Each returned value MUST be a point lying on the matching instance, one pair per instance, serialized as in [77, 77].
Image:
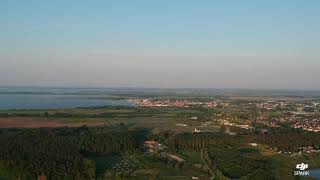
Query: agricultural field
[161, 119]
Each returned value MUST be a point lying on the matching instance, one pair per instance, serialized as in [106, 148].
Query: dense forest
[289, 140]
[58, 153]
[200, 141]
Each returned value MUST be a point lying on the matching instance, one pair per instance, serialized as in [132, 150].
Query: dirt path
[206, 161]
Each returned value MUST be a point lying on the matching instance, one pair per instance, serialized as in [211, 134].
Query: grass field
[162, 119]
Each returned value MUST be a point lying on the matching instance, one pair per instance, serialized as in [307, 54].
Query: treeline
[241, 163]
[199, 141]
[289, 140]
[117, 111]
[60, 153]
[115, 141]
[284, 139]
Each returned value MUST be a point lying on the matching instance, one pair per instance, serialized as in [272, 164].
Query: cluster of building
[297, 112]
[303, 150]
[155, 148]
[308, 125]
[227, 123]
[270, 105]
[295, 107]
[175, 103]
[309, 150]
[201, 130]
[160, 103]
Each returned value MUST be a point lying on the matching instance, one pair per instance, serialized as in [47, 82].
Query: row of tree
[282, 139]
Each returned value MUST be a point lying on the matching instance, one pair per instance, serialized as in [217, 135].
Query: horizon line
[146, 87]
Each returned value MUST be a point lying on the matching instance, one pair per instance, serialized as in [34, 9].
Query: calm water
[315, 173]
[49, 101]
[65, 97]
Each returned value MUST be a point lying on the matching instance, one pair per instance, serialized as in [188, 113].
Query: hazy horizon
[195, 44]
[30, 88]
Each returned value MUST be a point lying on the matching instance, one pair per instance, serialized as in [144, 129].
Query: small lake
[49, 101]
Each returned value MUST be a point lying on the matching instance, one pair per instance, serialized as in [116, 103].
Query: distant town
[300, 115]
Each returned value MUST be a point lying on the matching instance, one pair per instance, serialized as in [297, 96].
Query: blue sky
[218, 44]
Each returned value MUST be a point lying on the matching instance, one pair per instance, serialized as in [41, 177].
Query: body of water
[49, 101]
[315, 173]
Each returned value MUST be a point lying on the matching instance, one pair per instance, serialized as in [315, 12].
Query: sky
[271, 44]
